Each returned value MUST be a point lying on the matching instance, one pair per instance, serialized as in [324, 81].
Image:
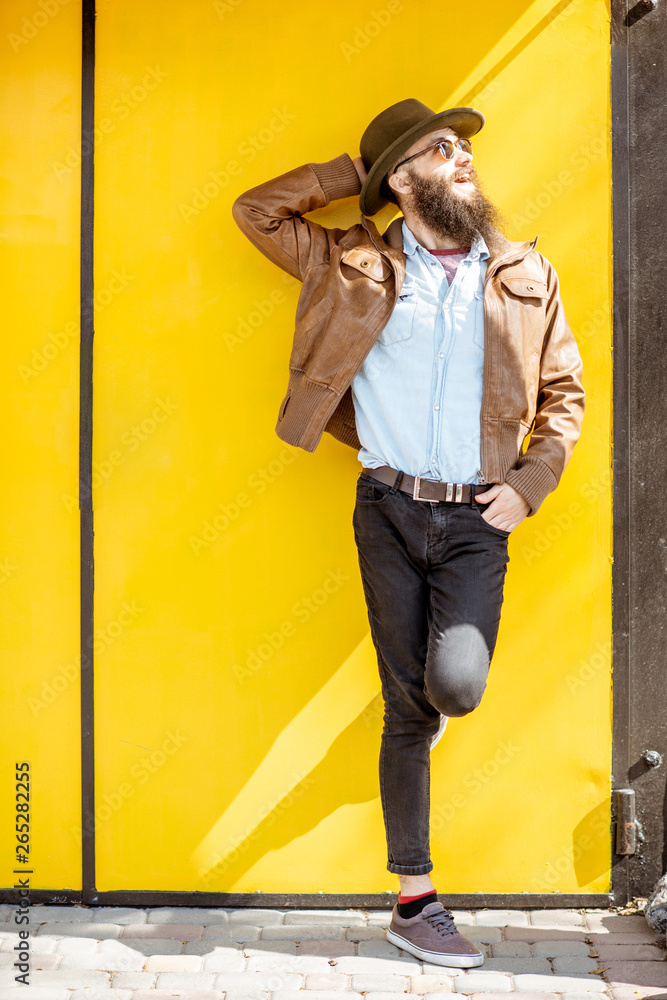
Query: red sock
[410, 899]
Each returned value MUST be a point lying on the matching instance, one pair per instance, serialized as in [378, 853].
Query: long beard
[438, 206]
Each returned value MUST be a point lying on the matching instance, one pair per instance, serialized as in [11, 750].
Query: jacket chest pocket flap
[372, 265]
[525, 287]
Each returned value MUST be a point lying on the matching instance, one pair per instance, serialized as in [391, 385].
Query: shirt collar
[478, 249]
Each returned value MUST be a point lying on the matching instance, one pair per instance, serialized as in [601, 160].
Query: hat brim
[465, 121]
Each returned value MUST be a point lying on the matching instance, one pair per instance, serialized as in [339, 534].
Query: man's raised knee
[454, 704]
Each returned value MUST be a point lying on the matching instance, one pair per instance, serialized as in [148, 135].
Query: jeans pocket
[491, 527]
[370, 490]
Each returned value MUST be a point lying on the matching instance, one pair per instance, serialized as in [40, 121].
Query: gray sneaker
[433, 937]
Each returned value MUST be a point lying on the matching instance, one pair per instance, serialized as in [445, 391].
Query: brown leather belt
[427, 489]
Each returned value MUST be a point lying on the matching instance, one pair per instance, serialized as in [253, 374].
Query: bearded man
[434, 349]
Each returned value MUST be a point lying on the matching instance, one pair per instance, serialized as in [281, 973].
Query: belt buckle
[415, 492]
[449, 492]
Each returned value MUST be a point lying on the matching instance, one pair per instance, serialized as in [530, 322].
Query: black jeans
[433, 576]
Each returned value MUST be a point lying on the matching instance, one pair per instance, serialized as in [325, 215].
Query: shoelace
[443, 921]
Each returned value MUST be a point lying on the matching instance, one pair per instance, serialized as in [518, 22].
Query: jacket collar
[393, 234]
[503, 250]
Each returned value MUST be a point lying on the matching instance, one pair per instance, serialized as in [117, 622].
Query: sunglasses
[445, 147]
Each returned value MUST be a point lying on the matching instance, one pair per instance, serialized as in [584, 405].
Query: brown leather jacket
[351, 280]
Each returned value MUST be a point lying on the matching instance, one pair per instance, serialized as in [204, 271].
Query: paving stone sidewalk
[220, 954]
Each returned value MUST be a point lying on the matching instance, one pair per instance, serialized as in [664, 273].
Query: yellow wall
[222, 535]
[237, 700]
[40, 71]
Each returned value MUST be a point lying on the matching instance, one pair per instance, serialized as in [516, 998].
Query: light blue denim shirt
[418, 395]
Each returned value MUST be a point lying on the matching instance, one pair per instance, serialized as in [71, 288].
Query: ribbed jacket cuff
[533, 479]
[338, 178]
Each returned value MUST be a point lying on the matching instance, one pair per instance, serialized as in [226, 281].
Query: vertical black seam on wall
[86, 452]
[621, 658]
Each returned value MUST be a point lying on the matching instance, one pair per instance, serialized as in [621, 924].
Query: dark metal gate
[639, 110]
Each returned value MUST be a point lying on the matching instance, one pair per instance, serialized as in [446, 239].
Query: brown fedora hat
[393, 131]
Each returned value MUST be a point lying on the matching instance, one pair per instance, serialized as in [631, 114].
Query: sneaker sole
[436, 957]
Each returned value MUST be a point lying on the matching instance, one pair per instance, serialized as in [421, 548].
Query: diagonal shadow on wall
[320, 792]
